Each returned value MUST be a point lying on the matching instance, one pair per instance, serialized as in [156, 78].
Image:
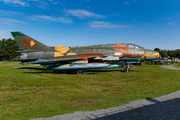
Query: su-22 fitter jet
[81, 58]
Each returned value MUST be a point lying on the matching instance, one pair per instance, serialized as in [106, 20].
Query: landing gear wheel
[127, 68]
[81, 72]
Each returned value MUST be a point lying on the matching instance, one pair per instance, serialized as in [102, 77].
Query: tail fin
[27, 43]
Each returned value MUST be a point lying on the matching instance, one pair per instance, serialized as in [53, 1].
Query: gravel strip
[169, 67]
[166, 107]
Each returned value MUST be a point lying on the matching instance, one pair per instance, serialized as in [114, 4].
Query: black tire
[81, 72]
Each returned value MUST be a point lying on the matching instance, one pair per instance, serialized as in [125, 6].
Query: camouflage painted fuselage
[95, 56]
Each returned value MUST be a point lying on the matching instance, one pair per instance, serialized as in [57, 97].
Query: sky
[147, 23]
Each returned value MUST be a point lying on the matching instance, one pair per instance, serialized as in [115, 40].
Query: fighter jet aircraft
[161, 61]
[81, 58]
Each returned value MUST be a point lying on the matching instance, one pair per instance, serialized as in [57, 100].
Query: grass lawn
[176, 65]
[33, 93]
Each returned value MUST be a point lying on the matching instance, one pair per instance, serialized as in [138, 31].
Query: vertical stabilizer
[27, 43]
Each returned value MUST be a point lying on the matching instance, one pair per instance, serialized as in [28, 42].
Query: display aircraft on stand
[81, 58]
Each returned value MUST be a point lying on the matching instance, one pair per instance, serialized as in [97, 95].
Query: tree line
[170, 53]
[8, 48]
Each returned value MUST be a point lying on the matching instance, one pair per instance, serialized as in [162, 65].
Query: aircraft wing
[28, 59]
[43, 61]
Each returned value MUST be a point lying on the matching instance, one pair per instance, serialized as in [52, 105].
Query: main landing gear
[127, 67]
[81, 72]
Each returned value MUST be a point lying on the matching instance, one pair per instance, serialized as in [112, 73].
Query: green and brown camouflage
[80, 58]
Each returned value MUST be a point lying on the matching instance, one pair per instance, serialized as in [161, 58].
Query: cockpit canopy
[131, 45]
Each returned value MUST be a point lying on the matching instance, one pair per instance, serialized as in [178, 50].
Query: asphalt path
[170, 67]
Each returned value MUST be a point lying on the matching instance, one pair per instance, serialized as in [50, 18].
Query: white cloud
[98, 25]
[136, 0]
[126, 2]
[54, 2]
[42, 6]
[130, 1]
[60, 19]
[42, 17]
[49, 18]
[26, 3]
[116, 14]
[10, 12]
[171, 23]
[155, 35]
[32, 17]
[16, 2]
[83, 14]
[33, 0]
[9, 20]
[5, 34]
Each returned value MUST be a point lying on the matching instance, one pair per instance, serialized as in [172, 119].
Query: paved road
[169, 67]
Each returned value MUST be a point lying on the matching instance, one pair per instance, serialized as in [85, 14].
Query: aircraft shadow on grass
[166, 110]
[70, 72]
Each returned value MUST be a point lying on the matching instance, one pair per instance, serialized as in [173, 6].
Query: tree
[178, 53]
[163, 53]
[157, 49]
[8, 48]
[171, 53]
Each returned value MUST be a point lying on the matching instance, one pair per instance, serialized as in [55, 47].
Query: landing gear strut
[127, 68]
[81, 72]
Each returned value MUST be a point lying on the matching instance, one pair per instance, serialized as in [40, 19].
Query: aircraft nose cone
[152, 54]
[157, 55]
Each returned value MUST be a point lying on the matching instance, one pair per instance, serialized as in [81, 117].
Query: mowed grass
[176, 65]
[39, 92]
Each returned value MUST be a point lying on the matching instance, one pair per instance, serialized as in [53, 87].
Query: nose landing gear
[127, 67]
[81, 72]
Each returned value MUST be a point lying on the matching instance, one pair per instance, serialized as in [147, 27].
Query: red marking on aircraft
[30, 43]
[122, 48]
